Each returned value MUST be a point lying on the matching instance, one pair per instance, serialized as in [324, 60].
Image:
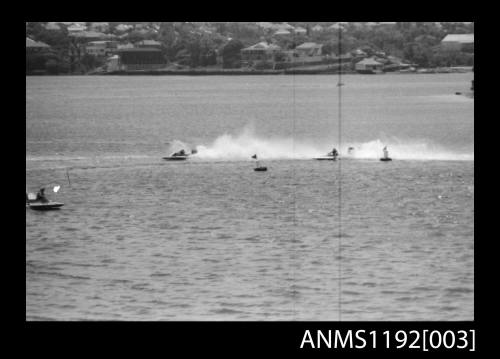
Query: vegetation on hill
[204, 44]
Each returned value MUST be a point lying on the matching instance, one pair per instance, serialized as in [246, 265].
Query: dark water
[210, 239]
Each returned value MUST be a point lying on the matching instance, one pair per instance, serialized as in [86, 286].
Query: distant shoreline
[249, 72]
[243, 73]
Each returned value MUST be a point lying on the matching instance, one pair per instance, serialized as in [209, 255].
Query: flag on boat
[254, 156]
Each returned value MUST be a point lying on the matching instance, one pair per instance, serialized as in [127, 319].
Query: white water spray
[229, 147]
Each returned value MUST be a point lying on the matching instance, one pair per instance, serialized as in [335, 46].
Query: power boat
[181, 155]
[330, 156]
[258, 167]
[386, 157]
[41, 205]
[175, 157]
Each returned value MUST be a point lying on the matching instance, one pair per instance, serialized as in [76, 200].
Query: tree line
[192, 45]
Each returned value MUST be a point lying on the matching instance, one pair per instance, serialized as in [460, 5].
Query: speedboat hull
[37, 206]
[175, 158]
[326, 158]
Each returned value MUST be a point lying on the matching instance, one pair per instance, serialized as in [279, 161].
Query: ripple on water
[221, 250]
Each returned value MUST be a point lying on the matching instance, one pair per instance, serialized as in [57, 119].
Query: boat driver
[40, 196]
[386, 153]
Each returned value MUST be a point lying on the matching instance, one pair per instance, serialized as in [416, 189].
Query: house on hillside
[33, 46]
[385, 24]
[458, 42]
[149, 44]
[336, 26]
[101, 48]
[76, 28]
[359, 53]
[126, 45]
[305, 54]
[368, 66]
[99, 26]
[261, 52]
[283, 26]
[283, 34]
[90, 36]
[265, 25]
[317, 28]
[52, 26]
[308, 49]
[300, 31]
[123, 28]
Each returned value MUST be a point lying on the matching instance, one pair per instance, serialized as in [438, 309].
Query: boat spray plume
[230, 147]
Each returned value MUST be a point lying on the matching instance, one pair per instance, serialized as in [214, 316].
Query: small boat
[40, 206]
[330, 156]
[179, 156]
[176, 158]
[40, 202]
[259, 168]
[386, 155]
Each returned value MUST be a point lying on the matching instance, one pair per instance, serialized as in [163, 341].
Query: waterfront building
[100, 48]
[149, 44]
[309, 49]
[368, 66]
[140, 59]
[260, 52]
[126, 45]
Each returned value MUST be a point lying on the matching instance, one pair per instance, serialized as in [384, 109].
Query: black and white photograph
[249, 171]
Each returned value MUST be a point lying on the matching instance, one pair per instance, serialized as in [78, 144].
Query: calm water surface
[210, 239]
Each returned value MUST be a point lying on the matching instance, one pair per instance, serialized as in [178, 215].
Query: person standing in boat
[40, 196]
[386, 153]
[334, 152]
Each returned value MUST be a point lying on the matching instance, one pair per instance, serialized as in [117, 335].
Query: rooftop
[282, 32]
[262, 46]
[369, 61]
[308, 45]
[139, 49]
[149, 42]
[33, 43]
[462, 38]
[91, 35]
